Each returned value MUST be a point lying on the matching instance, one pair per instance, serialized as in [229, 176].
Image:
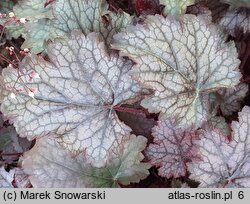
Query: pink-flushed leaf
[51, 166]
[183, 62]
[225, 163]
[173, 148]
[230, 100]
[6, 178]
[212, 8]
[236, 19]
[74, 95]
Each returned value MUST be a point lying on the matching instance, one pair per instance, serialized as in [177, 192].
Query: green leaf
[37, 34]
[84, 15]
[123, 166]
[30, 10]
[176, 7]
[77, 92]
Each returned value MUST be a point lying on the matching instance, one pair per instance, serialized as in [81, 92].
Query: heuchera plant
[131, 93]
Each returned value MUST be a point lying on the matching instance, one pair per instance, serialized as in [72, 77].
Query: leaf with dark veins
[32, 11]
[238, 3]
[87, 16]
[172, 149]
[224, 163]
[183, 62]
[68, 15]
[51, 166]
[6, 6]
[75, 96]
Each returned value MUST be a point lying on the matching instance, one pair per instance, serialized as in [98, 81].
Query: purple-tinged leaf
[225, 163]
[173, 148]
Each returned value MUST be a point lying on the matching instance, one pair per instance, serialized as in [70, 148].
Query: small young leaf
[51, 166]
[74, 96]
[225, 163]
[87, 16]
[32, 10]
[173, 148]
[183, 62]
[176, 7]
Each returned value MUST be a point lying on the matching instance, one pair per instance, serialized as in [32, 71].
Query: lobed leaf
[225, 163]
[75, 96]
[32, 11]
[51, 166]
[172, 149]
[85, 15]
[176, 7]
[183, 62]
